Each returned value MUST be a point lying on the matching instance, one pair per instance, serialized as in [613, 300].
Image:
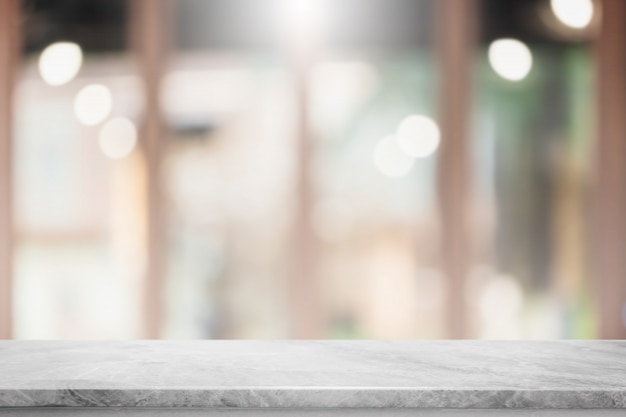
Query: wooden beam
[149, 35]
[307, 320]
[609, 232]
[456, 33]
[9, 58]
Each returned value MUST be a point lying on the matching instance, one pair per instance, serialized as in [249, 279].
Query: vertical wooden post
[456, 22]
[307, 312]
[307, 321]
[149, 33]
[610, 180]
[9, 57]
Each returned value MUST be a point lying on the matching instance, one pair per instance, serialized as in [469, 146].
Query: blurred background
[376, 169]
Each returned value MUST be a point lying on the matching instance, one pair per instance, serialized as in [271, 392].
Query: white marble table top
[286, 374]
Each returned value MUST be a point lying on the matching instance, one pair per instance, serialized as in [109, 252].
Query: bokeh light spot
[60, 62]
[93, 104]
[117, 137]
[390, 160]
[510, 59]
[418, 136]
[576, 14]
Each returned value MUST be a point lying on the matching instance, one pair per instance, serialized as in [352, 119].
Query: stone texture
[314, 374]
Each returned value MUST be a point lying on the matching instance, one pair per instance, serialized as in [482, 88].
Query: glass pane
[78, 208]
[532, 164]
[234, 170]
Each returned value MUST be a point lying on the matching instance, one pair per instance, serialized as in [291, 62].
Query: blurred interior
[371, 169]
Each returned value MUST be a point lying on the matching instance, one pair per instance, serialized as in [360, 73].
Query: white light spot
[117, 138]
[418, 136]
[302, 20]
[390, 160]
[93, 104]
[576, 14]
[510, 59]
[60, 62]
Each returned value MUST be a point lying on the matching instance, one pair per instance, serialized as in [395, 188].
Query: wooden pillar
[307, 322]
[609, 232]
[149, 34]
[9, 57]
[307, 314]
[456, 23]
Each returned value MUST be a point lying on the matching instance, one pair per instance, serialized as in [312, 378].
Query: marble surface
[314, 374]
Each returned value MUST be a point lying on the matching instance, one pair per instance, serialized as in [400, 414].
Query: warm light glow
[60, 62]
[418, 136]
[390, 160]
[576, 14]
[117, 138]
[302, 20]
[93, 104]
[510, 59]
